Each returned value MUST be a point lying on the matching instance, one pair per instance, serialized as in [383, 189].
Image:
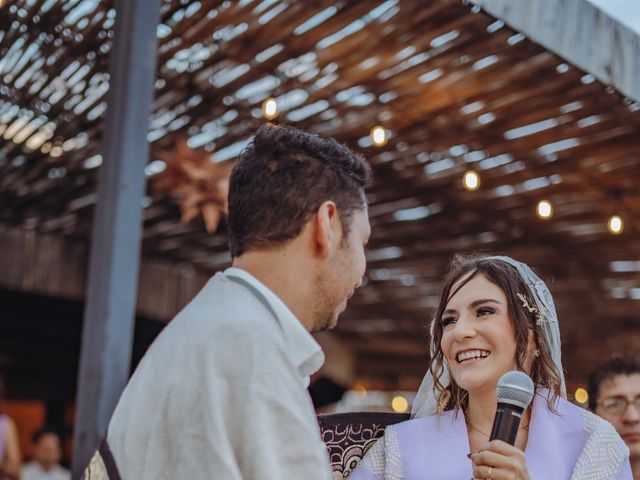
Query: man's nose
[631, 413]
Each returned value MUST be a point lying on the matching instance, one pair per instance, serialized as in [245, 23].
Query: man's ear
[328, 231]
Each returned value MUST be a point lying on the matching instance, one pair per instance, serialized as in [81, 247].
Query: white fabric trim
[604, 452]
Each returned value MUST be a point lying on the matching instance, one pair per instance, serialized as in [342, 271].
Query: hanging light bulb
[581, 395]
[270, 108]
[378, 136]
[615, 224]
[471, 180]
[399, 404]
[544, 209]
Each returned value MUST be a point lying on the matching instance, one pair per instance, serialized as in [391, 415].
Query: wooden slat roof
[457, 89]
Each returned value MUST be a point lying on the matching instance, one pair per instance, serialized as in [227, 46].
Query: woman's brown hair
[543, 370]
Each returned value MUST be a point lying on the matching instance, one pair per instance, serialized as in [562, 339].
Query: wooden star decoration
[195, 182]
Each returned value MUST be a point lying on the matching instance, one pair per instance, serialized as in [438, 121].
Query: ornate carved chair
[348, 436]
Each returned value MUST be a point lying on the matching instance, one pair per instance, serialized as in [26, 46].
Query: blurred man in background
[47, 451]
[614, 394]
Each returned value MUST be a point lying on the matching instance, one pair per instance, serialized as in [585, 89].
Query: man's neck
[275, 270]
[635, 468]
[46, 468]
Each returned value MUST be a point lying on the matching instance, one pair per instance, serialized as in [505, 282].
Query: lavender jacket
[572, 444]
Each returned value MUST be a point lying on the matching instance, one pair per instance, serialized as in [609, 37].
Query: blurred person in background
[9, 446]
[614, 394]
[46, 448]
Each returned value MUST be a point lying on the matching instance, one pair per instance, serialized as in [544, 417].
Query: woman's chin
[475, 384]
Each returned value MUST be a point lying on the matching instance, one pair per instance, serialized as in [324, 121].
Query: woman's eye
[447, 321]
[485, 311]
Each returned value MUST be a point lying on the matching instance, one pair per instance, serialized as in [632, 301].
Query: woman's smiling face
[478, 337]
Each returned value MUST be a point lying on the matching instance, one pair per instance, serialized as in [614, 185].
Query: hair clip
[532, 309]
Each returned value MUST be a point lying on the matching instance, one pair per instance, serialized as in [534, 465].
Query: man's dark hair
[282, 178]
[46, 430]
[617, 365]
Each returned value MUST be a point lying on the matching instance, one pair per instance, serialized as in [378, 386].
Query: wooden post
[107, 335]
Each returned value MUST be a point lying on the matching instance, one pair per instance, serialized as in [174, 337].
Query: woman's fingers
[502, 448]
[499, 460]
[483, 472]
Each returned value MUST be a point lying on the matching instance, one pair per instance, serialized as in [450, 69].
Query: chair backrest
[348, 436]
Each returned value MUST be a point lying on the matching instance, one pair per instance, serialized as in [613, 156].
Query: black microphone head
[515, 388]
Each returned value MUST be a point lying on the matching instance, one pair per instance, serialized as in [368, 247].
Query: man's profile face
[618, 402]
[342, 274]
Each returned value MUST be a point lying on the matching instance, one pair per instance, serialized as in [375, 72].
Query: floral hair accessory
[532, 309]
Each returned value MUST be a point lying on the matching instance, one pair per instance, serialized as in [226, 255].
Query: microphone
[514, 393]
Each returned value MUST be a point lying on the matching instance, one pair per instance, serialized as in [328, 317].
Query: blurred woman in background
[9, 446]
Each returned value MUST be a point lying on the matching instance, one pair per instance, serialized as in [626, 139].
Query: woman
[495, 315]
[9, 446]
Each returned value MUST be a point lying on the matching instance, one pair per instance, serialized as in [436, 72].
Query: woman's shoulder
[599, 432]
[430, 422]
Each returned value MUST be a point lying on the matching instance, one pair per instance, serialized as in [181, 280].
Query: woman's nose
[464, 328]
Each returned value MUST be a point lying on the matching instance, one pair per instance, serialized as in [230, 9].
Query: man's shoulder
[223, 301]
[61, 473]
[29, 467]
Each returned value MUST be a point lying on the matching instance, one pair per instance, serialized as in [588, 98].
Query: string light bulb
[399, 404]
[471, 180]
[581, 395]
[270, 108]
[360, 389]
[544, 209]
[615, 224]
[379, 136]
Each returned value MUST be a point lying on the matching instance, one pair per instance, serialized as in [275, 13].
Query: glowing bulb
[270, 108]
[399, 404]
[471, 180]
[378, 136]
[615, 224]
[544, 209]
[360, 389]
[581, 395]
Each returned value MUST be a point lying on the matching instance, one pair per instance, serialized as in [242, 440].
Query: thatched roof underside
[456, 88]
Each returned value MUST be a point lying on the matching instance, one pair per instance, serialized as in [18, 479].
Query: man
[47, 451]
[222, 391]
[614, 394]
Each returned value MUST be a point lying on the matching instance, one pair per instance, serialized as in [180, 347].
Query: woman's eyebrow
[480, 301]
[474, 304]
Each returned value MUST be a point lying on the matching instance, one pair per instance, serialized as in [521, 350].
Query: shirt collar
[305, 353]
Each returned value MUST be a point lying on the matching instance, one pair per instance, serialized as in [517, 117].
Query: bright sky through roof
[626, 12]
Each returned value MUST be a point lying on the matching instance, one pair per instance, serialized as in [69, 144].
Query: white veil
[426, 401]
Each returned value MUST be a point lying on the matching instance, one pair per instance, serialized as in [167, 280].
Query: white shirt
[221, 393]
[33, 471]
